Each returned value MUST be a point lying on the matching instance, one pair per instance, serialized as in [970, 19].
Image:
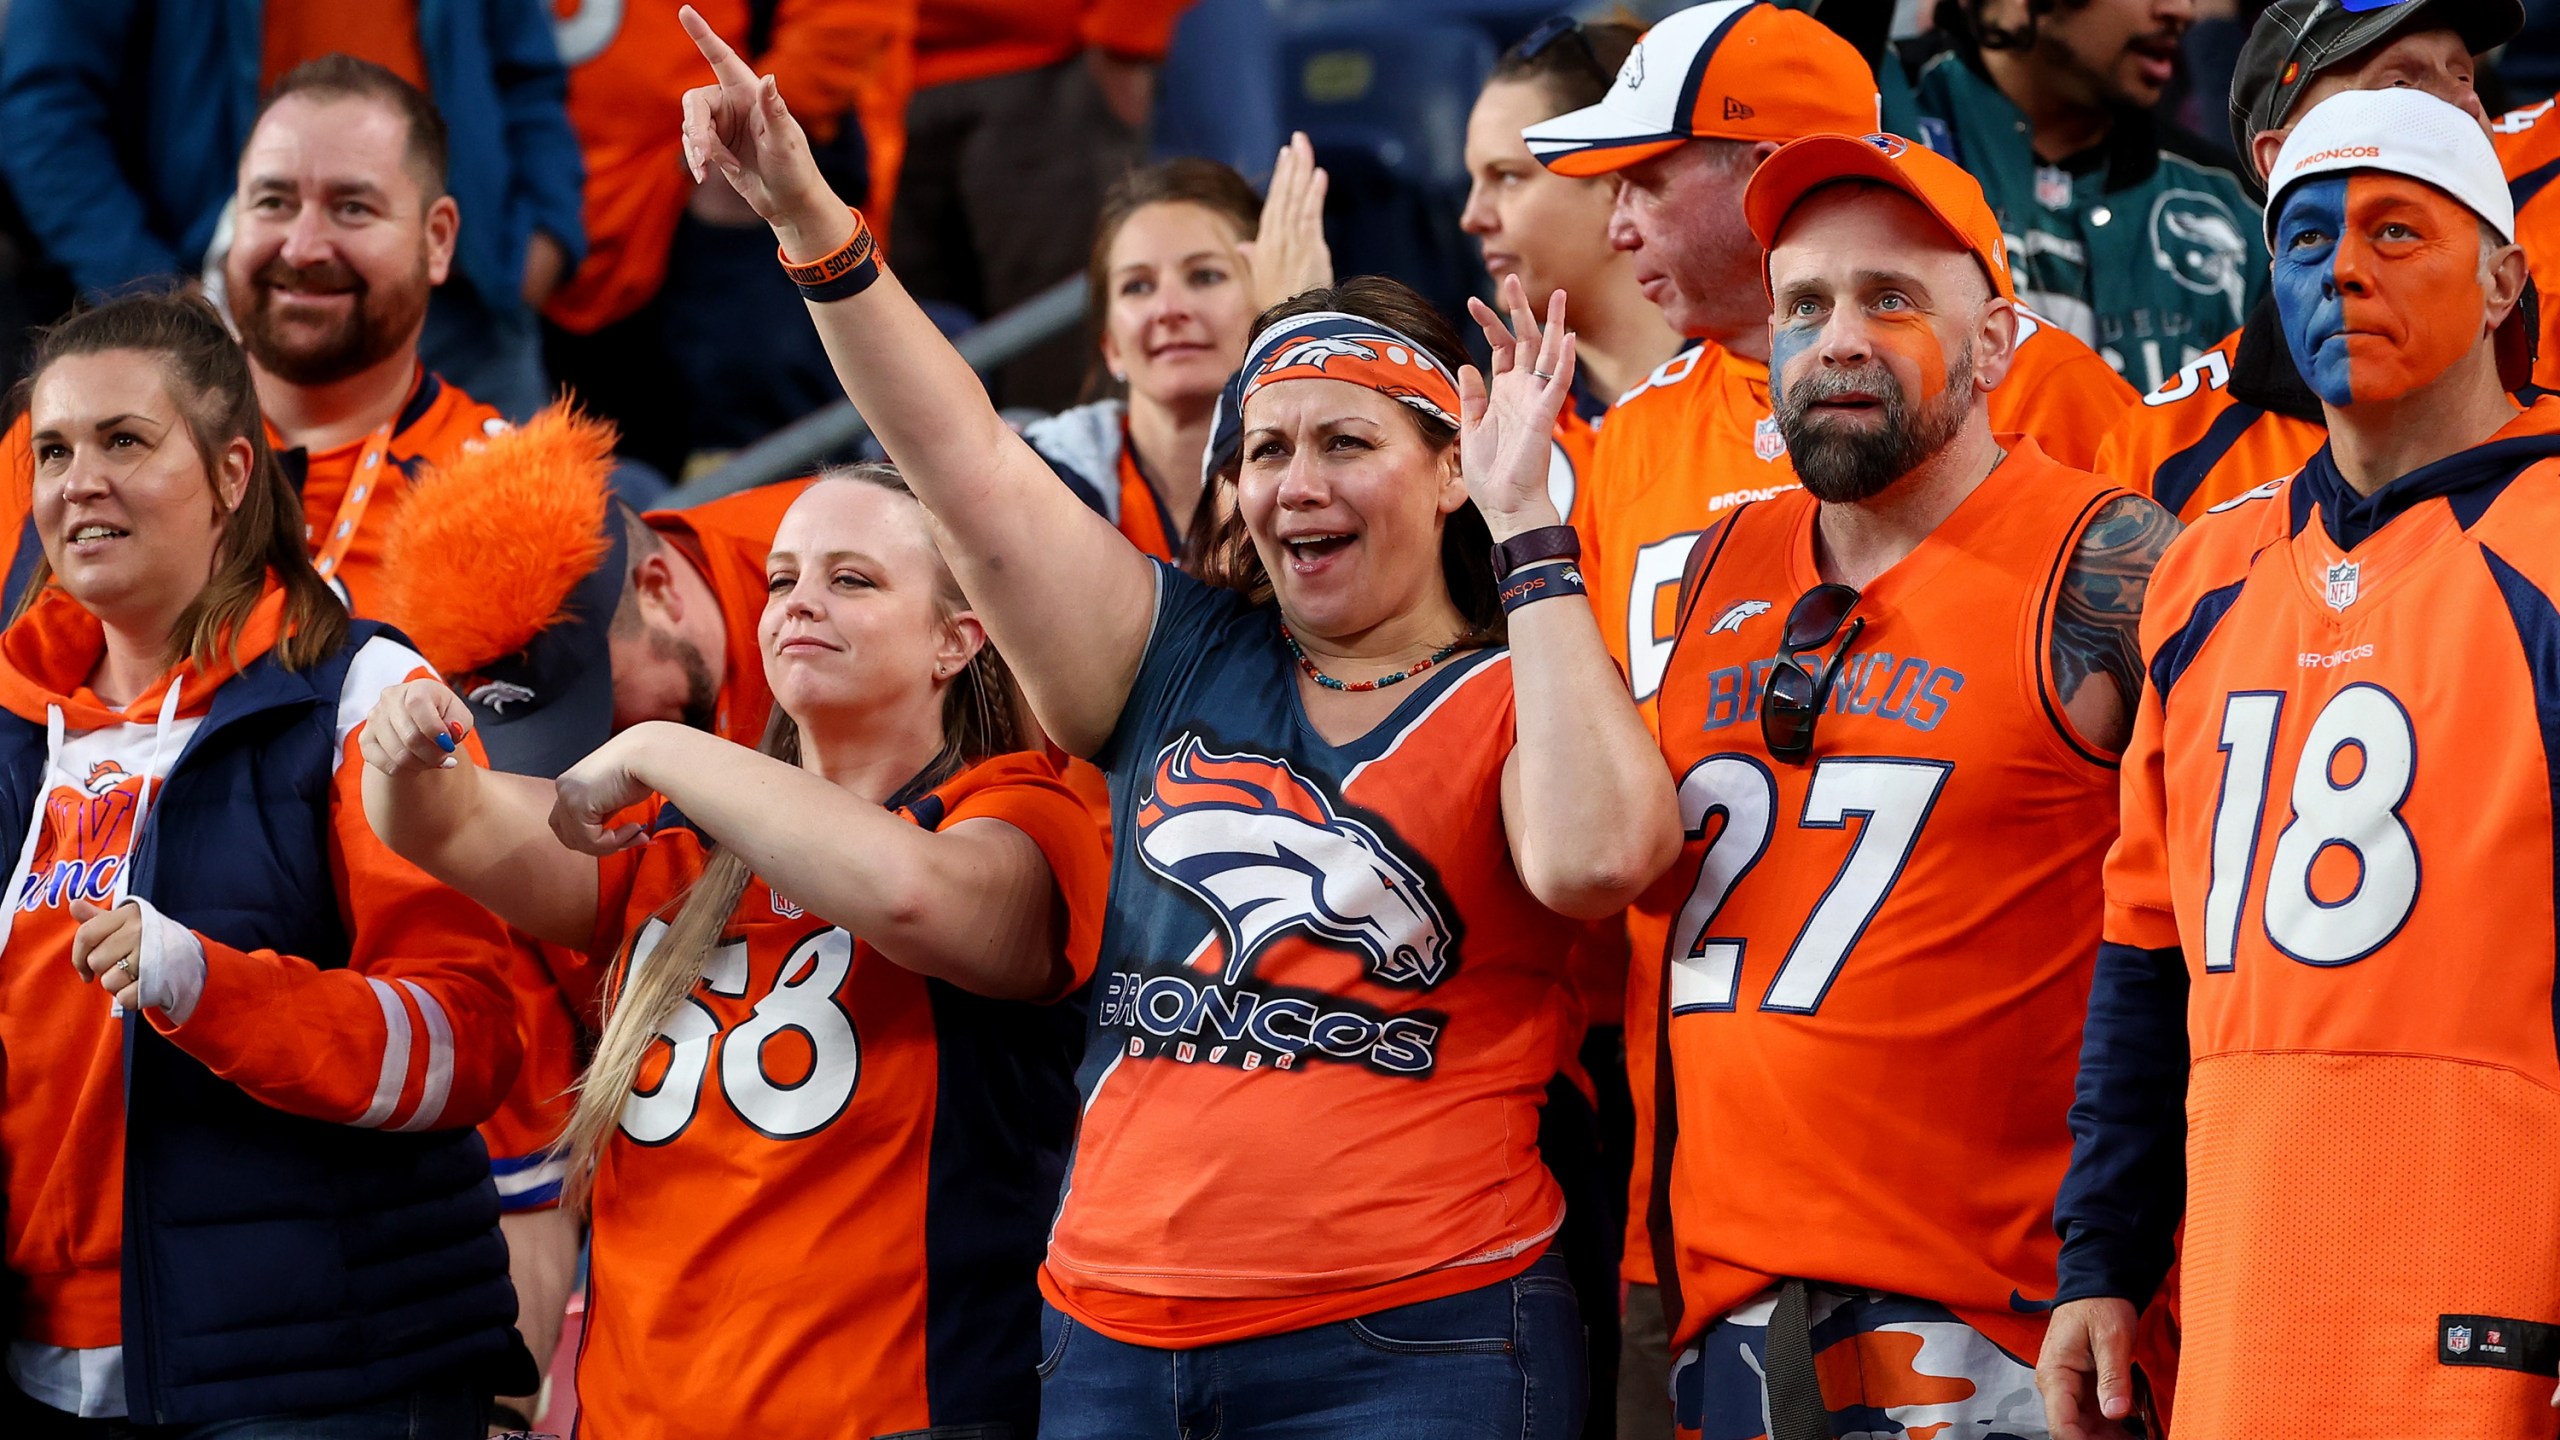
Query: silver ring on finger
[1541, 374]
[131, 975]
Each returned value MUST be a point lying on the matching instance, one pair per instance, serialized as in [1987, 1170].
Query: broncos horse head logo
[1315, 352]
[1264, 850]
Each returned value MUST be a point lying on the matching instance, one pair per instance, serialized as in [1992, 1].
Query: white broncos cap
[2401, 132]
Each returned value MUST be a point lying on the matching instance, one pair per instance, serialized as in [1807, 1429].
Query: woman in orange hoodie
[246, 1044]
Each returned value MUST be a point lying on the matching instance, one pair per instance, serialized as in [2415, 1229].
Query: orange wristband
[849, 269]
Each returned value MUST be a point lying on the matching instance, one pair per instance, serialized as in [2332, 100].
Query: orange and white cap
[1730, 70]
[1942, 187]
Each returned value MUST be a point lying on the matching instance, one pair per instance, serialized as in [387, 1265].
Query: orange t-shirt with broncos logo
[1326, 1011]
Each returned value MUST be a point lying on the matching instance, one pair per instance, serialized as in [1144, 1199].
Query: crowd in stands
[1813, 818]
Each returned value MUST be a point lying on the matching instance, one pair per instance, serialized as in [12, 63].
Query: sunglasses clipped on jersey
[1793, 698]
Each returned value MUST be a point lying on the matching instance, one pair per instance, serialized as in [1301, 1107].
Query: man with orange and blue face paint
[2322, 1028]
[2380, 279]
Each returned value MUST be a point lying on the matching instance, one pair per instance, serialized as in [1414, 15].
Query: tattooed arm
[2096, 658]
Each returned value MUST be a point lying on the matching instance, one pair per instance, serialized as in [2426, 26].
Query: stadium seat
[1385, 96]
[1221, 93]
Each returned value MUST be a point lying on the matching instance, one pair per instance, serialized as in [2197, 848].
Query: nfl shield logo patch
[2342, 583]
[2053, 187]
[1766, 442]
[2457, 1338]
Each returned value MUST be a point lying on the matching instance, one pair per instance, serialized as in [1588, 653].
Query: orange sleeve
[2113, 459]
[1040, 795]
[416, 1032]
[2064, 395]
[1133, 29]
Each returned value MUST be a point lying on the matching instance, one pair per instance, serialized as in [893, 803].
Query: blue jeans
[1501, 1362]
[442, 1413]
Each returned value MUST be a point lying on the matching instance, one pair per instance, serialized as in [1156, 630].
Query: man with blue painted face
[2322, 1030]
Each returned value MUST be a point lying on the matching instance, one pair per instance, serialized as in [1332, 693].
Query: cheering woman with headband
[1349, 823]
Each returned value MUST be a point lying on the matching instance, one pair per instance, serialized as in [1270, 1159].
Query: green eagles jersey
[2149, 256]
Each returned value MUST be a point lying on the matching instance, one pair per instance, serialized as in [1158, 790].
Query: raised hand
[1507, 425]
[415, 727]
[1288, 250]
[739, 126]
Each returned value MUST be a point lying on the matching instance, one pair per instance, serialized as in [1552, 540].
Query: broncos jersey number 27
[2354, 775]
[802, 1002]
[1891, 800]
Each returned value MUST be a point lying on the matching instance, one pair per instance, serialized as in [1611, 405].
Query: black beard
[1842, 462]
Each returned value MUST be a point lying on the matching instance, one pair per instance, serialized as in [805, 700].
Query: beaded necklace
[1382, 682]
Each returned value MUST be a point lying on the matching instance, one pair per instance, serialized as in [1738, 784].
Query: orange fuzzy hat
[488, 546]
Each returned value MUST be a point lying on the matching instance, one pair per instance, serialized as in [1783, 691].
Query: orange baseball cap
[1731, 70]
[1942, 187]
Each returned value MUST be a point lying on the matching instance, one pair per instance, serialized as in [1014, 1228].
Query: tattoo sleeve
[2097, 653]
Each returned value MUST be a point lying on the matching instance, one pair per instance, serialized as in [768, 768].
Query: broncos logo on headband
[1306, 347]
[1264, 850]
[1316, 352]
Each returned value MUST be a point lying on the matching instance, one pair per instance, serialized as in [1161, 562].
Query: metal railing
[831, 433]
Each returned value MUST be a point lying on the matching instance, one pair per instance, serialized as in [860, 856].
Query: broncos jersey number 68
[2348, 786]
[802, 1000]
[1892, 800]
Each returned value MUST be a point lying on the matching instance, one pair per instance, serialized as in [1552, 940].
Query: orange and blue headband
[1330, 345]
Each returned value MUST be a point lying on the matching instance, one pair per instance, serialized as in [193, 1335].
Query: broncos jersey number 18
[2339, 823]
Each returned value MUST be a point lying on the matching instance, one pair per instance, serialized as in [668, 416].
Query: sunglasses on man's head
[1792, 698]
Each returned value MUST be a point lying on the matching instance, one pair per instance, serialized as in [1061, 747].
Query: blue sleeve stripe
[2537, 624]
[529, 1182]
[2181, 475]
[2180, 650]
[2524, 187]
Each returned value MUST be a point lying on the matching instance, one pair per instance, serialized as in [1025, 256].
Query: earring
[1119, 376]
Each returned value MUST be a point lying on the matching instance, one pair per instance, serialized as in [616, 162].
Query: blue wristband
[1541, 582]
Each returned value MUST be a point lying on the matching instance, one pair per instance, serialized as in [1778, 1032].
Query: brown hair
[1184, 180]
[983, 714]
[1577, 66]
[1224, 554]
[209, 378]
[344, 77]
